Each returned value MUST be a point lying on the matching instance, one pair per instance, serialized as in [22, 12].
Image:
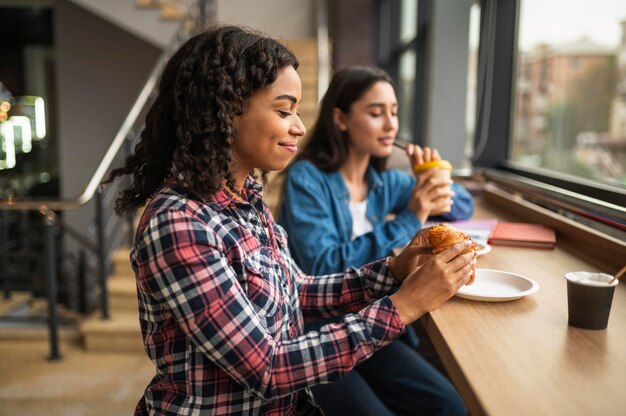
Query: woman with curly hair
[221, 302]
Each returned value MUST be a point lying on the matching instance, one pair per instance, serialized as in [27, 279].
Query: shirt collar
[373, 177]
[337, 182]
[252, 191]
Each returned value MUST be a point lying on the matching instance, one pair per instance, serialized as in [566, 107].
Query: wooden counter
[521, 357]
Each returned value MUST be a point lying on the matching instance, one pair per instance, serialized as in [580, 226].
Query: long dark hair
[189, 128]
[327, 146]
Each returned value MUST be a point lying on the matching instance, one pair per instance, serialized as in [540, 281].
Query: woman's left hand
[412, 256]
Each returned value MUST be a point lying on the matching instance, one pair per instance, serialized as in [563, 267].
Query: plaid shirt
[222, 304]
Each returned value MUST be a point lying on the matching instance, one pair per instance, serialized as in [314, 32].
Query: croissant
[444, 236]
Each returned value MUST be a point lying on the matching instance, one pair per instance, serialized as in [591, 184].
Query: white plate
[482, 249]
[498, 286]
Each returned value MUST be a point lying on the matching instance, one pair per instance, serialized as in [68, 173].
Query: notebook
[523, 235]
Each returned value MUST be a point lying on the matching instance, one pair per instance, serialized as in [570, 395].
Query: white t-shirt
[360, 223]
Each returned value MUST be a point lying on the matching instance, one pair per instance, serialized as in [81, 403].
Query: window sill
[598, 248]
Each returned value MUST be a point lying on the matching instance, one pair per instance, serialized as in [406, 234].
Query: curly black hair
[189, 127]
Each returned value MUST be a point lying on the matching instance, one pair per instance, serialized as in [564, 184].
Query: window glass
[570, 96]
[384, 30]
[406, 94]
[472, 75]
[408, 20]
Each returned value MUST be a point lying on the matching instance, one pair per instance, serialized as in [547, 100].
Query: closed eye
[283, 114]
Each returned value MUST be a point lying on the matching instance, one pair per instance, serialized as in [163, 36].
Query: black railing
[33, 232]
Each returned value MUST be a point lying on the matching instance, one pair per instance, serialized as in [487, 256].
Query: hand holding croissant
[427, 282]
[444, 236]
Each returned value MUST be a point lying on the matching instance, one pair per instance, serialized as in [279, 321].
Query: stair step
[120, 333]
[121, 262]
[173, 11]
[307, 47]
[148, 3]
[16, 300]
[122, 294]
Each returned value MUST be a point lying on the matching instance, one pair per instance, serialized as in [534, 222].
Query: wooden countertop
[521, 357]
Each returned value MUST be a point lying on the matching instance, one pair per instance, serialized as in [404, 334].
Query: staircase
[121, 332]
[154, 21]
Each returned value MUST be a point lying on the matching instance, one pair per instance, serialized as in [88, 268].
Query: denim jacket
[315, 212]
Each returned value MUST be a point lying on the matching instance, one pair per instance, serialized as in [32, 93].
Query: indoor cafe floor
[80, 384]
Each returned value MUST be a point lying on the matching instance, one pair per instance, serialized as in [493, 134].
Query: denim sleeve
[313, 227]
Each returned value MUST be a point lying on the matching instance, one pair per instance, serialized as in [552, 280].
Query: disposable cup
[589, 299]
[444, 172]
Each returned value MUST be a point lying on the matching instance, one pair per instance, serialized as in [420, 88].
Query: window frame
[496, 83]
[494, 115]
[388, 55]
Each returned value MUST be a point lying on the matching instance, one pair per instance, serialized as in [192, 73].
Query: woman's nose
[297, 128]
[391, 122]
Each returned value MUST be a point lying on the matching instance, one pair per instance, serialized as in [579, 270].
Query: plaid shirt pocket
[264, 283]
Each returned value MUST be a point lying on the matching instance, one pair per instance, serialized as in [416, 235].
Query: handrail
[204, 9]
[52, 216]
[107, 159]
[122, 134]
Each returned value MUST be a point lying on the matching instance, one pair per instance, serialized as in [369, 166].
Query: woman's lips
[387, 141]
[291, 147]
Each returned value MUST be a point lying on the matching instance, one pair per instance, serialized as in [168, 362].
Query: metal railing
[100, 238]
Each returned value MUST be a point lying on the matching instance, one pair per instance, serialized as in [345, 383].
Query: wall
[351, 32]
[448, 80]
[285, 19]
[100, 70]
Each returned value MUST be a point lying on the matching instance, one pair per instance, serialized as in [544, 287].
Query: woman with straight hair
[343, 208]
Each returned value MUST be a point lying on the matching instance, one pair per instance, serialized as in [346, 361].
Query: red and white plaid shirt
[221, 307]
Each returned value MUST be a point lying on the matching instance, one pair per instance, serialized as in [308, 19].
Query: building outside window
[569, 102]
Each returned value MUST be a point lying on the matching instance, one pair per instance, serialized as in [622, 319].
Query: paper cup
[445, 167]
[589, 299]
[444, 172]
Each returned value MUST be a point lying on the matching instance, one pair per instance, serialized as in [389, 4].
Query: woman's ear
[339, 119]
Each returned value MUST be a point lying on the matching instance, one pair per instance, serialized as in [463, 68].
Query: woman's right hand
[433, 283]
[431, 194]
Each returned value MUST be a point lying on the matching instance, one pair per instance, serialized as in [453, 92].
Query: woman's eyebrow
[287, 97]
[379, 105]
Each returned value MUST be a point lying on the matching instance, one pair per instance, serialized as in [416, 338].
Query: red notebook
[523, 235]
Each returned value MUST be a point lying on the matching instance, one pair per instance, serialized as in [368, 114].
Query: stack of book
[523, 234]
[495, 232]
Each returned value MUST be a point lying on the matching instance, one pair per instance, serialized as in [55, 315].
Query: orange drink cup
[445, 168]
[444, 172]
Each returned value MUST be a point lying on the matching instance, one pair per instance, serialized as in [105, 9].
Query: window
[542, 126]
[568, 107]
[398, 52]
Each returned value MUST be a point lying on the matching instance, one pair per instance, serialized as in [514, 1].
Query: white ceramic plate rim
[467, 292]
[486, 249]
